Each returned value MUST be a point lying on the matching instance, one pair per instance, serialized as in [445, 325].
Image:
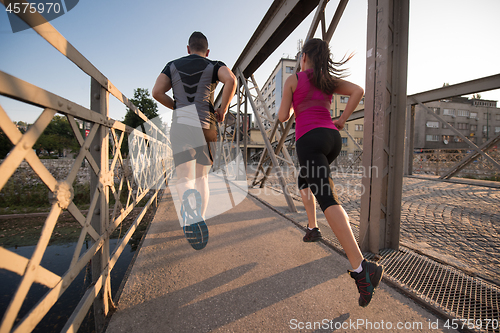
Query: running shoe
[312, 235]
[196, 234]
[194, 227]
[367, 281]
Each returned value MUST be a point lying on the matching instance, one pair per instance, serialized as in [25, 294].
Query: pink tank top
[311, 106]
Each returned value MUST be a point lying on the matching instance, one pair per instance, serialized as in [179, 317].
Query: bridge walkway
[255, 275]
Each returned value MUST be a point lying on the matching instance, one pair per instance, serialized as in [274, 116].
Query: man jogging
[193, 133]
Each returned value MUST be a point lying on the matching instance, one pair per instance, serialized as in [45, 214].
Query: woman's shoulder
[291, 82]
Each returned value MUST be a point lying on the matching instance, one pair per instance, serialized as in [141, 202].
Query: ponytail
[326, 71]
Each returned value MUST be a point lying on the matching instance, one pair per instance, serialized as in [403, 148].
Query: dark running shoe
[194, 227]
[196, 234]
[312, 235]
[367, 281]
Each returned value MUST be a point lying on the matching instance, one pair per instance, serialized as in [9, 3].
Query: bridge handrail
[39, 24]
[105, 137]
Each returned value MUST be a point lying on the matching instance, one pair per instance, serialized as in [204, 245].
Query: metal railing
[440, 161]
[111, 176]
[464, 88]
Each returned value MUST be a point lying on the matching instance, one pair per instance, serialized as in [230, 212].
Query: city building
[475, 118]
[355, 127]
[272, 90]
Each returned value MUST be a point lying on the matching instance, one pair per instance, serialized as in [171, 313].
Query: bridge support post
[384, 130]
[245, 129]
[99, 150]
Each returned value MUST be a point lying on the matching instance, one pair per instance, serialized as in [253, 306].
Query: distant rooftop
[472, 101]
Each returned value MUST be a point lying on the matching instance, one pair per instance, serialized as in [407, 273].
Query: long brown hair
[326, 71]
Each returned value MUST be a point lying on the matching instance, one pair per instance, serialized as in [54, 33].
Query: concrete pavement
[455, 221]
[255, 275]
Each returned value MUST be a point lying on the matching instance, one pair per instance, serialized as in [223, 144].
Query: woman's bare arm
[285, 110]
[355, 94]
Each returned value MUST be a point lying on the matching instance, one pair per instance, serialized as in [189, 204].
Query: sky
[130, 42]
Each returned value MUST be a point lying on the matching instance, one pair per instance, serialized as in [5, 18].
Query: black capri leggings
[316, 150]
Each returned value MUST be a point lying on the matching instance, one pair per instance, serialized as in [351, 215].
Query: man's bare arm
[162, 85]
[229, 80]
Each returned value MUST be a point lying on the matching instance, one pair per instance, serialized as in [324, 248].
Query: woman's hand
[355, 94]
[339, 124]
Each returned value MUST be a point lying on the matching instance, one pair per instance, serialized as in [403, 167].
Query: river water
[57, 259]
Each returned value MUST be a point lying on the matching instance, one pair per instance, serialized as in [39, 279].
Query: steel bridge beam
[384, 130]
[358, 114]
[464, 88]
[280, 20]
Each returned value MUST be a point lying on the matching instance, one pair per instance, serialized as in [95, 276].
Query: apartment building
[475, 118]
[272, 90]
[355, 128]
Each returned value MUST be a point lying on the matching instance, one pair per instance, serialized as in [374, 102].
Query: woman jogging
[318, 144]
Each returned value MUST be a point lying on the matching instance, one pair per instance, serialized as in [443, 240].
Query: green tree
[147, 105]
[144, 103]
[5, 145]
[22, 126]
[56, 137]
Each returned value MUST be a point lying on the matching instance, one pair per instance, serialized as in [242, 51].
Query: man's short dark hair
[198, 42]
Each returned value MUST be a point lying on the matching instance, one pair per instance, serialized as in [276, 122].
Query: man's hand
[220, 114]
[229, 80]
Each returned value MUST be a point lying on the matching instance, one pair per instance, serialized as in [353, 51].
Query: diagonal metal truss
[61, 197]
[360, 149]
[463, 137]
[279, 131]
[464, 88]
[472, 157]
[280, 148]
[282, 181]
